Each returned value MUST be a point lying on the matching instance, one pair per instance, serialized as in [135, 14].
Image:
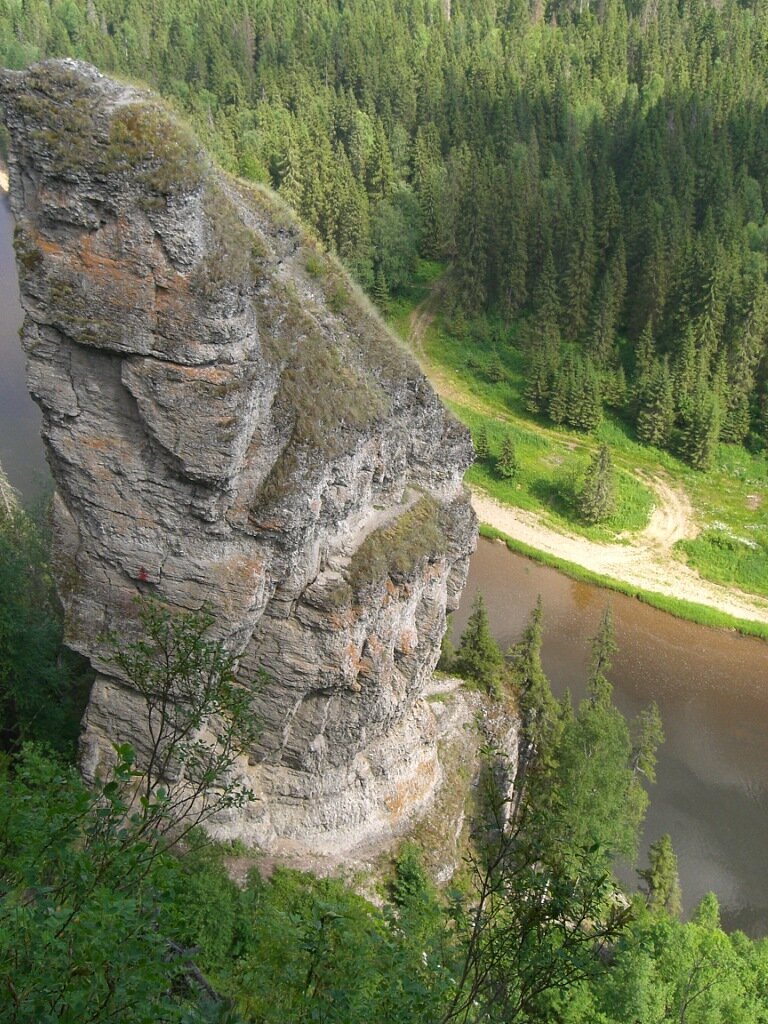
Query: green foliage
[478, 657]
[43, 687]
[661, 878]
[663, 970]
[199, 720]
[395, 234]
[311, 949]
[502, 159]
[482, 448]
[731, 560]
[544, 906]
[487, 140]
[77, 863]
[541, 717]
[594, 783]
[507, 464]
[80, 893]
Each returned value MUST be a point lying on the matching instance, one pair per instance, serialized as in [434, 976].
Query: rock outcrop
[229, 423]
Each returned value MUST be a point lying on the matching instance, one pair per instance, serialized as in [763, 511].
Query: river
[711, 793]
[712, 687]
[21, 453]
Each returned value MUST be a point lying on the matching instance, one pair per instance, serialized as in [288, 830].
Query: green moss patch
[396, 549]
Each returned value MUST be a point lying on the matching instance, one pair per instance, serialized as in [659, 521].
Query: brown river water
[711, 794]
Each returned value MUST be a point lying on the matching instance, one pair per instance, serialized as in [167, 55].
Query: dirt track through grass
[645, 560]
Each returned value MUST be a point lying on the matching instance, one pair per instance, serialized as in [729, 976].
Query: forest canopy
[596, 172]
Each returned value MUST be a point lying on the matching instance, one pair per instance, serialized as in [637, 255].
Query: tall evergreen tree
[657, 409]
[661, 878]
[478, 657]
[596, 500]
[507, 464]
[480, 438]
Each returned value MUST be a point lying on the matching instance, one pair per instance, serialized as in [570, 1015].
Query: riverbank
[709, 684]
[4, 181]
[644, 563]
[632, 570]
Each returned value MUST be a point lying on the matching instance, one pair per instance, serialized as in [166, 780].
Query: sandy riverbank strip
[4, 182]
[643, 565]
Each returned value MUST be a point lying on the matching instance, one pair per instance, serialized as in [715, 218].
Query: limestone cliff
[228, 422]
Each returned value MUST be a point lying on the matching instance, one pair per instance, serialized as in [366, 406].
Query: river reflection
[711, 793]
[21, 451]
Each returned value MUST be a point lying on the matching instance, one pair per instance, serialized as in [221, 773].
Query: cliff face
[228, 423]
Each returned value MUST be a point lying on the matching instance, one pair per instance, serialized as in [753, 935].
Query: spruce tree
[603, 647]
[684, 373]
[656, 415]
[507, 465]
[586, 403]
[557, 407]
[596, 500]
[701, 432]
[537, 386]
[480, 438]
[547, 310]
[661, 878]
[613, 386]
[540, 709]
[478, 657]
[579, 278]
[645, 360]
[494, 370]
[602, 327]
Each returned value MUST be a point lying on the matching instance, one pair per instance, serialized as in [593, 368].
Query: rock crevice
[229, 424]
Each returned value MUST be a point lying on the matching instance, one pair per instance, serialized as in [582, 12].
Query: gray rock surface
[229, 423]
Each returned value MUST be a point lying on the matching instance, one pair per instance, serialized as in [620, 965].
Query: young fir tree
[540, 709]
[478, 657]
[482, 448]
[645, 361]
[613, 385]
[547, 311]
[603, 647]
[657, 409]
[507, 465]
[537, 388]
[494, 369]
[586, 404]
[701, 432]
[661, 878]
[596, 500]
[579, 277]
[557, 408]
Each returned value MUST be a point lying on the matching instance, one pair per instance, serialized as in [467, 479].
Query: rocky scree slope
[229, 424]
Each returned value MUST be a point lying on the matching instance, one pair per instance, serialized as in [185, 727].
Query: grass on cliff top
[396, 548]
[485, 372]
[145, 138]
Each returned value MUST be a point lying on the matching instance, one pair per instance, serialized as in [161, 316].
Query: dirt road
[646, 563]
